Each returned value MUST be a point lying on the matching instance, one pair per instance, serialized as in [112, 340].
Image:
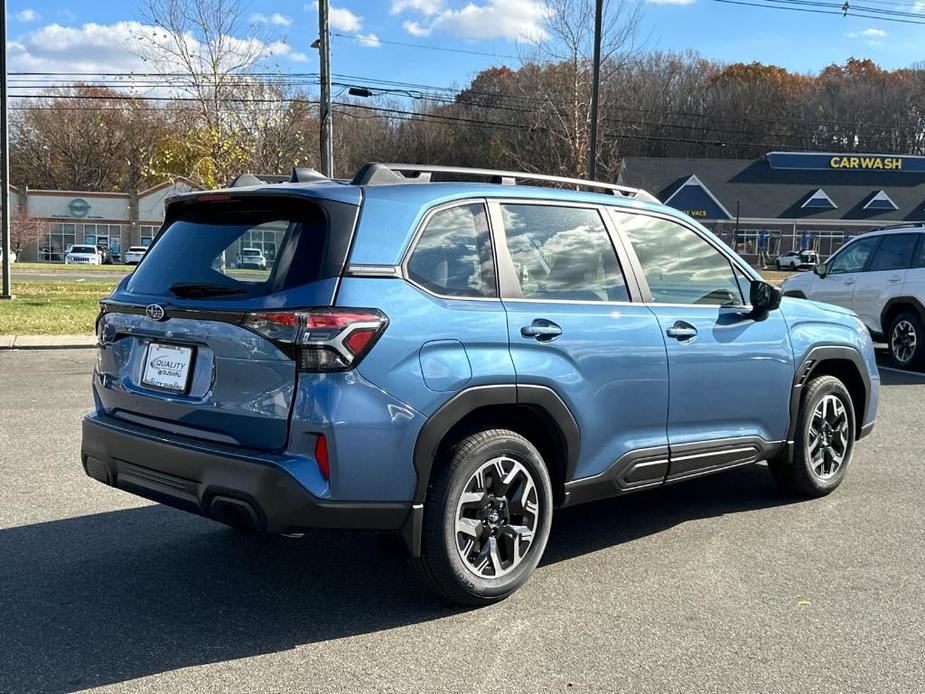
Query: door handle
[682, 331]
[894, 278]
[541, 330]
[849, 281]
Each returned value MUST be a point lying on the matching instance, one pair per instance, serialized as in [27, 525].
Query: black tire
[906, 332]
[441, 566]
[800, 476]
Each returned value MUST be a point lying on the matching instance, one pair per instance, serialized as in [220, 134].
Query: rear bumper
[234, 487]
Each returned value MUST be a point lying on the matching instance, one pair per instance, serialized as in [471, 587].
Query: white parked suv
[83, 255]
[797, 260]
[134, 255]
[880, 275]
[252, 259]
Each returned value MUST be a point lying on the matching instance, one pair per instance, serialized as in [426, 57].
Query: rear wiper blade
[200, 289]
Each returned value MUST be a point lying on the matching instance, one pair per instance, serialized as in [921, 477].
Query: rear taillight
[330, 339]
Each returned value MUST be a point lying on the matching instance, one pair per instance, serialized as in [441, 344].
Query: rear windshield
[199, 253]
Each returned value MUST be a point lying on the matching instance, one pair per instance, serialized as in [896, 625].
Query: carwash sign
[822, 161]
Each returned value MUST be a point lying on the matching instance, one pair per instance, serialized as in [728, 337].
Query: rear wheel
[824, 441]
[907, 341]
[486, 519]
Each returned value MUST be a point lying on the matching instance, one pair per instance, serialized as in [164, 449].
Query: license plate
[167, 367]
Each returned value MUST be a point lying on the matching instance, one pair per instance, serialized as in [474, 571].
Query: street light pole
[327, 132]
[5, 289]
[595, 88]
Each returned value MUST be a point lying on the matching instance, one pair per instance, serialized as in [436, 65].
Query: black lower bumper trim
[218, 483]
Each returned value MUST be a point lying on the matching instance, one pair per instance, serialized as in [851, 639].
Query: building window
[61, 236]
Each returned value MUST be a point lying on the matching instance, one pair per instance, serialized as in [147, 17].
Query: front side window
[853, 257]
[453, 255]
[680, 266]
[562, 253]
[893, 253]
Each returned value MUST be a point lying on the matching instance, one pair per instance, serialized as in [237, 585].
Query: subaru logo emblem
[155, 312]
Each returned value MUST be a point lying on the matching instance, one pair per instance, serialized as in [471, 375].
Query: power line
[837, 11]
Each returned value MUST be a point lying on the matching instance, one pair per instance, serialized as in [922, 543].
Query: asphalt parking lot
[717, 585]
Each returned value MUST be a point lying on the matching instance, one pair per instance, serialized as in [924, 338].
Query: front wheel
[907, 341]
[823, 443]
[486, 518]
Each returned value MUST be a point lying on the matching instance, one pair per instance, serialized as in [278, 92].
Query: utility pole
[327, 131]
[5, 290]
[595, 88]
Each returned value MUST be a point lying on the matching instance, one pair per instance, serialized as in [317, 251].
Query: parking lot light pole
[5, 290]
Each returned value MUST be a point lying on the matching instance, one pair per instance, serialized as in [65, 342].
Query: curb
[39, 342]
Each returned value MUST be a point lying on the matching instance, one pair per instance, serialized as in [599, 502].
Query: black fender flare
[896, 300]
[811, 362]
[541, 398]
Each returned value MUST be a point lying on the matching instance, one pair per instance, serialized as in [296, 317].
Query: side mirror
[821, 269]
[764, 297]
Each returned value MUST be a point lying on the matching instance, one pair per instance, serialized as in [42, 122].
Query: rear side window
[562, 253]
[893, 253]
[201, 253]
[453, 255]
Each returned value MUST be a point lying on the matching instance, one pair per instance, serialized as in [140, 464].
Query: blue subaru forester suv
[454, 360]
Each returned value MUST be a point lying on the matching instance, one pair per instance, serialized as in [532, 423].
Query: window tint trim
[507, 274]
[725, 251]
[419, 232]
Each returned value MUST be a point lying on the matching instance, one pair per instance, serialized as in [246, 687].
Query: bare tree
[196, 45]
[561, 61]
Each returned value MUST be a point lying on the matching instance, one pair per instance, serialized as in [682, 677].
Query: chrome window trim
[419, 231]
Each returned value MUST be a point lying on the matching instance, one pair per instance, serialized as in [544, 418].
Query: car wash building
[54, 220]
[787, 200]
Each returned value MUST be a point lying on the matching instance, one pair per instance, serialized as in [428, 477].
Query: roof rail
[381, 174]
[899, 225]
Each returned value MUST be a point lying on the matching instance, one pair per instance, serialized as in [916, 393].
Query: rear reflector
[321, 456]
[327, 339]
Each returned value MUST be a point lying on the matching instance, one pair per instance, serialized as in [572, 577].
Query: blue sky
[85, 35]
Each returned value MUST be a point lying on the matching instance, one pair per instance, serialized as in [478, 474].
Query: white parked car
[134, 254]
[797, 260]
[252, 259]
[83, 255]
[880, 275]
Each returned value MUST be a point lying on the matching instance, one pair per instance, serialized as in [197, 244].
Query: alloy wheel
[828, 437]
[497, 517]
[903, 341]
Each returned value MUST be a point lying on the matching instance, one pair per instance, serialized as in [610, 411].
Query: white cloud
[28, 15]
[415, 29]
[874, 33]
[493, 19]
[343, 19]
[671, 2]
[919, 7]
[275, 18]
[369, 40]
[428, 7]
[98, 48]
[872, 37]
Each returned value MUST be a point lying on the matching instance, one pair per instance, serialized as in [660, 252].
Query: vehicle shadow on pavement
[590, 527]
[105, 598]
